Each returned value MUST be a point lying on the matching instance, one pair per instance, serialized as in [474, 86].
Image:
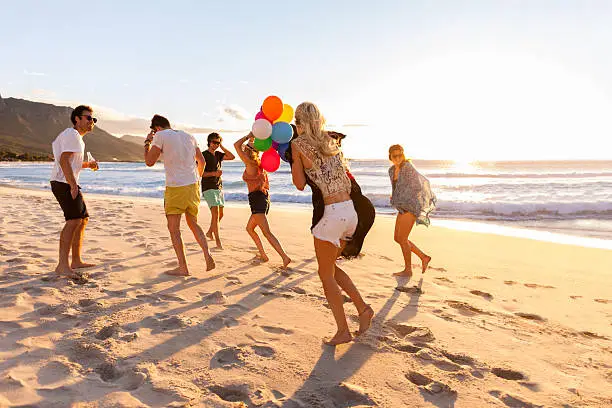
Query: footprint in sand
[466, 308]
[592, 335]
[413, 290]
[485, 295]
[604, 301]
[246, 394]
[531, 316]
[276, 330]
[443, 279]
[512, 401]
[509, 282]
[348, 395]
[229, 357]
[536, 286]
[234, 280]
[415, 333]
[264, 351]
[508, 374]
[430, 386]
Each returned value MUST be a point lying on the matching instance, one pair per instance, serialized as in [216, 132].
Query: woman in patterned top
[413, 199]
[316, 155]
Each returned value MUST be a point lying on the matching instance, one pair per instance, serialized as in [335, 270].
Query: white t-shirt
[68, 141]
[178, 149]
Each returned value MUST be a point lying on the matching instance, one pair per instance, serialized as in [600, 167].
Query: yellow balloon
[287, 115]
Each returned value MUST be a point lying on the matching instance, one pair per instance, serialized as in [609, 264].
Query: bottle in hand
[90, 159]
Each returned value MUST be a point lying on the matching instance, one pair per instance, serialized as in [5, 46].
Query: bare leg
[198, 233]
[174, 227]
[220, 213]
[403, 226]
[209, 233]
[66, 236]
[214, 226]
[250, 228]
[425, 259]
[262, 221]
[365, 311]
[326, 257]
[77, 245]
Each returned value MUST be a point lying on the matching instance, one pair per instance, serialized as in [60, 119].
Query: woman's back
[327, 172]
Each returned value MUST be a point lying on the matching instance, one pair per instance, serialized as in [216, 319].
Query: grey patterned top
[412, 193]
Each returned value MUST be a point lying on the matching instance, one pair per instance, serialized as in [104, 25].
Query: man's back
[178, 149]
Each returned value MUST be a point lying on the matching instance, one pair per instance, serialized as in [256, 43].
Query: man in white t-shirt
[184, 165]
[68, 150]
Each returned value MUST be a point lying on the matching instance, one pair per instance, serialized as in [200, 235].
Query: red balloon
[270, 161]
[261, 115]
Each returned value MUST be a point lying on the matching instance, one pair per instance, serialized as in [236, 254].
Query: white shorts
[338, 223]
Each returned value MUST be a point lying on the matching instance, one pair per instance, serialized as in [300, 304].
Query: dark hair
[78, 111]
[337, 136]
[213, 136]
[159, 120]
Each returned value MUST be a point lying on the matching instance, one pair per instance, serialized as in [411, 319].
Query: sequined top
[327, 172]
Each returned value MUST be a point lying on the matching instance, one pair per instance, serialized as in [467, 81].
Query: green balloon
[262, 144]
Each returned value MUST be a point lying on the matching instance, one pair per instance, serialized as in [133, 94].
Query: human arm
[238, 146]
[228, 154]
[67, 170]
[151, 153]
[298, 175]
[200, 160]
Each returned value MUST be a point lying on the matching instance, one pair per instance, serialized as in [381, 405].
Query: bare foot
[425, 263]
[219, 246]
[286, 261]
[261, 258]
[67, 272]
[209, 235]
[365, 319]
[404, 274]
[81, 264]
[339, 338]
[210, 264]
[178, 272]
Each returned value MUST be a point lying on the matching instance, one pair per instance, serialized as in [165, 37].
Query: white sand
[496, 321]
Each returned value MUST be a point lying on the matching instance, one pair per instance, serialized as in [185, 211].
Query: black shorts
[259, 202]
[73, 208]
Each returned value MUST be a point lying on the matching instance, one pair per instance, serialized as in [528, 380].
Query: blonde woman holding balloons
[317, 155]
[256, 179]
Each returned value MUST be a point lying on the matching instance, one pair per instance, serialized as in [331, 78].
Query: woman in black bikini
[256, 179]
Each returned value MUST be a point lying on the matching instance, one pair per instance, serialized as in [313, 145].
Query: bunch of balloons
[273, 132]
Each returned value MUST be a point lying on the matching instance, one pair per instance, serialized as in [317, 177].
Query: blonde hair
[394, 148]
[310, 119]
[251, 152]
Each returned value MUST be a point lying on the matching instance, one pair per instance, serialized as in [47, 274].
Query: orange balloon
[272, 107]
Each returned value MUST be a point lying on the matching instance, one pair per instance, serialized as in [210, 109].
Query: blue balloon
[282, 132]
[282, 151]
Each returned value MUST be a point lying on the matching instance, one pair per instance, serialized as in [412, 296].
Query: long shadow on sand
[329, 373]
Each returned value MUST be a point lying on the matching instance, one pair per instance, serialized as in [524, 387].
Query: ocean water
[559, 197]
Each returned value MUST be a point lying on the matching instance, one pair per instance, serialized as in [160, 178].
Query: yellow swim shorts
[179, 200]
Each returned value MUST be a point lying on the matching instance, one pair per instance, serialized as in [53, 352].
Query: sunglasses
[215, 142]
[393, 156]
[89, 118]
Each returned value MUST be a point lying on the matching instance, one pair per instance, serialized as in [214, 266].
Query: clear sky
[449, 79]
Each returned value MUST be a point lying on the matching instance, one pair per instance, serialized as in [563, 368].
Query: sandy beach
[495, 321]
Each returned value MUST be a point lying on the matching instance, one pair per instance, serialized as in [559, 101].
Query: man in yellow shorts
[184, 165]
